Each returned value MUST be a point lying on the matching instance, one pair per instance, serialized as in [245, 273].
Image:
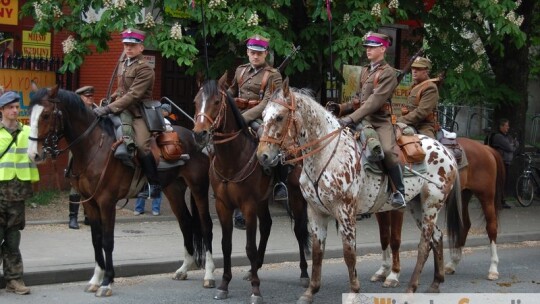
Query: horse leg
[298, 207]
[383, 219]
[490, 214]
[108, 215]
[319, 230]
[392, 280]
[456, 253]
[99, 270]
[225, 218]
[347, 228]
[256, 256]
[426, 228]
[438, 260]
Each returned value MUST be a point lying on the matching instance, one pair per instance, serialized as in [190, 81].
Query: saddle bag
[169, 145]
[411, 148]
[151, 112]
[452, 145]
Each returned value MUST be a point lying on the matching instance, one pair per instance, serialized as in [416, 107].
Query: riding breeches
[387, 137]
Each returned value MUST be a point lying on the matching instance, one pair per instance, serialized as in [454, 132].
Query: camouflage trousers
[12, 221]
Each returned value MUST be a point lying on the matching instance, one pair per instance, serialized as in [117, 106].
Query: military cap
[133, 36]
[9, 97]
[421, 63]
[377, 39]
[166, 107]
[257, 43]
[86, 91]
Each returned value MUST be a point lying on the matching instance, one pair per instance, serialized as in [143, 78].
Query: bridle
[51, 139]
[286, 134]
[219, 121]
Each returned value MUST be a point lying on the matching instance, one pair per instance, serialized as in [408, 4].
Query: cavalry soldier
[421, 109]
[135, 84]
[17, 173]
[378, 81]
[252, 87]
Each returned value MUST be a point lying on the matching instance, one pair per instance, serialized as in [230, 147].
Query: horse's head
[280, 122]
[46, 124]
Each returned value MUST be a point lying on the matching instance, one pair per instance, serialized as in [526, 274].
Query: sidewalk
[148, 244]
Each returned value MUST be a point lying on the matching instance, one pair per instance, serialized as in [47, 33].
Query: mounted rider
[135, 83]
[252, 88]
[378, 81]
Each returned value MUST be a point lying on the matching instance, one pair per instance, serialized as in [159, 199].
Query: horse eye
[45, 115]
[279, 118]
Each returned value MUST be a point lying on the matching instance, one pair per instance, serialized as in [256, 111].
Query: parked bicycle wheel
[525, 190]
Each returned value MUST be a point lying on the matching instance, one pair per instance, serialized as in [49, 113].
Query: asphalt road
[519, 269]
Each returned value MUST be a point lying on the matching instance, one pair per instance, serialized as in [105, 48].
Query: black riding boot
[398, 197]
[74, 202]
[149, 168]
[280, 189]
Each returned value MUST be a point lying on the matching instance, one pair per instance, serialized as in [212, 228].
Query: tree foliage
[456, 33]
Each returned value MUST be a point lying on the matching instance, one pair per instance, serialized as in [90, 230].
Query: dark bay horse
[483, 177]
[239, 181]
[338, 187]
[103, 180]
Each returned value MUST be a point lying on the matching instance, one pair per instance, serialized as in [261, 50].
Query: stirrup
[398, 200]
[280, 192]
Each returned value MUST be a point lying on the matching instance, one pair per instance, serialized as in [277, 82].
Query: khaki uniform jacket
[247, 84]
[373, 99]
[135, 84]
[421, 110]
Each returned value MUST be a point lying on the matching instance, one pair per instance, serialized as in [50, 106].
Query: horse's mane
[211, 88]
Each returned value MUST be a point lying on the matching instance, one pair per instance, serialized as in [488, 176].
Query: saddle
[449, 140]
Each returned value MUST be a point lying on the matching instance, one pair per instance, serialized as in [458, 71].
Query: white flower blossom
[57, 13]
[39, 13]
[212, 4]
[149, 21]
[91, 16]
[477, 65]
[137, 2]
[176, 31]
[108, 3]
[120, 4]
[69, 44]
[459, 68]
[253, 19]
[275, 5]
[376, 10]
[346, 18]
[519, 21]
[284, 25]
[393, 4]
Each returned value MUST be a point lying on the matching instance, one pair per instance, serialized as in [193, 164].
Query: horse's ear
[285, 87]
[222, 82]
[53, 91]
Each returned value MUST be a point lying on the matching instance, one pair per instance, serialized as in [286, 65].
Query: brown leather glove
[346, 121]
[333, 108]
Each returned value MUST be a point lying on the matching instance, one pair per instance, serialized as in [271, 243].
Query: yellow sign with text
[36, 45]
[9, 12]
[21, 81]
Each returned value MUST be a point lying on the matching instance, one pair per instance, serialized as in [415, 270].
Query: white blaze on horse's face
[34, 132]
[202, 108]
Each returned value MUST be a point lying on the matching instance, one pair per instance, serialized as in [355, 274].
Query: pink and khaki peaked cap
[133, 36]
[377, 39]
[257, 43]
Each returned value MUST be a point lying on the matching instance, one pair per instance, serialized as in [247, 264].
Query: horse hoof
[247, 277]
[390, 284]
[104, 292]
[304, 300]
[256, 299]
[91, 288]
[304, 282]
[180, 276]
[449, 270]
[221, 294]
[378, 278]
[433, 290]
[493, 276]
[209, 283]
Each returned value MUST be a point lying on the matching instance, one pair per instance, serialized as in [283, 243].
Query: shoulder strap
[263, 83]
[241, 80]
[10, 144]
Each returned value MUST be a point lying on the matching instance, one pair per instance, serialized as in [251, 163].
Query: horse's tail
[500, 181]
[454, 215]
[198, 242]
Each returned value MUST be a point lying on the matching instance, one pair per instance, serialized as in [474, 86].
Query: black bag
[151, 112]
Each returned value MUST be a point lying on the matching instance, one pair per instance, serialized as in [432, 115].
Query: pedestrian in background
[17, 173]
[156, 205]
[506, 145]
[87, 96]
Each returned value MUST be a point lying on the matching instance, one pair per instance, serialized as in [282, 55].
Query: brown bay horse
[103, 180]
[239, 181]
[483, 177]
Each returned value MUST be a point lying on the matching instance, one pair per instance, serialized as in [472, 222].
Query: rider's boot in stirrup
[398, 197]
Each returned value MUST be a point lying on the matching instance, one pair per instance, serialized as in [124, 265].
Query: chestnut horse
[483, 177]
[338, 187]
[239, 181]
[103, 180]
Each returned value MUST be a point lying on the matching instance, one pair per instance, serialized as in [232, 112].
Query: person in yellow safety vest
[17, 173]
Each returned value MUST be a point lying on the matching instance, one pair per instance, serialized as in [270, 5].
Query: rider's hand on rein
[102, 111]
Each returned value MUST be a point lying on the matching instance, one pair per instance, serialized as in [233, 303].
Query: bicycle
[528, 183]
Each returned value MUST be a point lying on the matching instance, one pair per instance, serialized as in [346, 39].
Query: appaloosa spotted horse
[337, 186]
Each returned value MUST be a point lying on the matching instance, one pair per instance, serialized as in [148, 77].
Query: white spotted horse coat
[336, 186]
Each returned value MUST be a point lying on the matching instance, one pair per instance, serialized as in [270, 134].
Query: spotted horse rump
[337, 186]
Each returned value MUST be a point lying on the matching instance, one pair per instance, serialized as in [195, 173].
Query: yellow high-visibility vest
[16, 163]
